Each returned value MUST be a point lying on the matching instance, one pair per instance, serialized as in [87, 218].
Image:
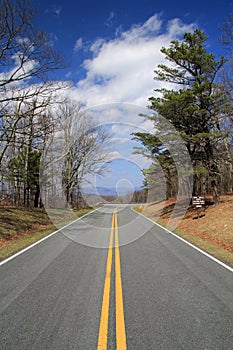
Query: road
[115, 280]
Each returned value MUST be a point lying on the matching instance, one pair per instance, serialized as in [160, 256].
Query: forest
[34, 112]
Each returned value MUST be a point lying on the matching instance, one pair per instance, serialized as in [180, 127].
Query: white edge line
[188, 243]
[42, 239]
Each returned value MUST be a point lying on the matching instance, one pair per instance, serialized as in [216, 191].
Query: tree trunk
[37, 197]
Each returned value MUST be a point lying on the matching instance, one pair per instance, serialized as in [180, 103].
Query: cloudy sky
[113, 48]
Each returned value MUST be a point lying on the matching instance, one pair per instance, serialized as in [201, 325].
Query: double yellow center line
[120, 320]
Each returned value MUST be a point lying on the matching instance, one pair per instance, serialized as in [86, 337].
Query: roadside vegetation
[212, 231]
[20, 227]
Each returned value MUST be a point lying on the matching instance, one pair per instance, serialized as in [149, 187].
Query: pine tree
[196, 109]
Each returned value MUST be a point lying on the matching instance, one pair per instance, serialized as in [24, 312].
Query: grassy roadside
[20, 227]
[212, 232]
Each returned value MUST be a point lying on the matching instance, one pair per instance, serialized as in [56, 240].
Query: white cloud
[68, 75]
[150, 27]
[78, 44]
[176, 27]
[96, 46]
[23, 41]
[110, 20]
[121, 69]
[55, 10]
[113, 155]
[19, 71]
[119, 80]
[52, 39]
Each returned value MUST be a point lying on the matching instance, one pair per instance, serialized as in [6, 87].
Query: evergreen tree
[196, 110]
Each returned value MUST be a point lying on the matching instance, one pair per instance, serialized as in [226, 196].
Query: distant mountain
[101, 191]
[106, 191]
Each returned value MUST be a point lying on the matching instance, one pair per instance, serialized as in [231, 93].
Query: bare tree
[25, 54]
[26, 61]
[14, 113]
[24, 152]
[76, 151]
[84, 147]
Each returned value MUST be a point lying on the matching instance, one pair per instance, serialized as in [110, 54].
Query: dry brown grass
[213, 231]
[20, 227]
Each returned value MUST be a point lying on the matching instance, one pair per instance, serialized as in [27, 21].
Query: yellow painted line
[103, 329]
[120, 319]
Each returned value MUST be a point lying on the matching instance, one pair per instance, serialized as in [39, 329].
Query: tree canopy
[197, 106]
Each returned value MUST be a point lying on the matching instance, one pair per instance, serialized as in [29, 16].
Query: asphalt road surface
[114, 280]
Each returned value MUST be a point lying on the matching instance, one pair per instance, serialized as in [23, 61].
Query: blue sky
[113, 48]
[71, 20]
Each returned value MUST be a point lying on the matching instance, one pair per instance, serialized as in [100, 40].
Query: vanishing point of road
[115, 280]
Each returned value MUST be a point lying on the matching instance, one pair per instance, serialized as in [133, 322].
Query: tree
[76, 152]
[157, 151]
[25, 54]
[25, 151]
[26, 60]
[24, 175]
[226, 78]
[196, 110]
[27, 91]
[226, 39]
